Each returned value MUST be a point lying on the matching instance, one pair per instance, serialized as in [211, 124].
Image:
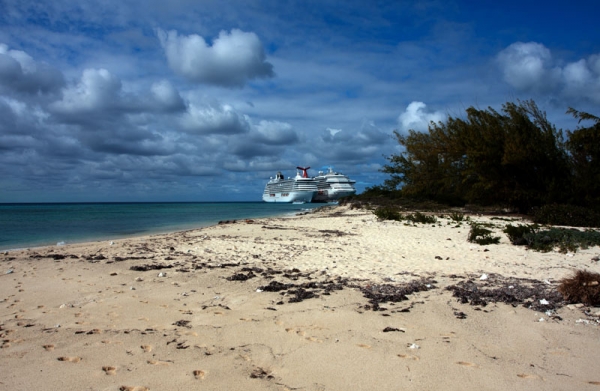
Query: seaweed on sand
[582, 287]
[384, 293]
[529, 293]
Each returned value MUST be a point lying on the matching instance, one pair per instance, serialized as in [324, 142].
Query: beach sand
[202, 311]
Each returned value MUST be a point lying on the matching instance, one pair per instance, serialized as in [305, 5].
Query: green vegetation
[548, 239]
[575, 216]
[516, 234]
[421, 218]
[514, 159]
[458, 217]
[565, 239]
[483, 236]
[388, 213]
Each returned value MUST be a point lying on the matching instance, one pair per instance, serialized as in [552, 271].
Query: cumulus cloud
[232, 60]
[530, 67]
[97, 90]
[213, 118]
[99, 95]
[20, 73]
[275, 133]
[416, 117]
[166, 97]
[347, 146]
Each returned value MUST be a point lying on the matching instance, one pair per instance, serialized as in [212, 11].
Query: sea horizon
[39, 224]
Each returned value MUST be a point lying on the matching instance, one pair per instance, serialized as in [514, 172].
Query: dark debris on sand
[514, 291]
[388, 293]
[298, 292]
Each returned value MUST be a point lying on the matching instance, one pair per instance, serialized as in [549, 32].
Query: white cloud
[98, 89]
[232, 60]
[275, 133]
[417, 118]
[166, 96]
[529, 67]
[19, 72]
[214, 118]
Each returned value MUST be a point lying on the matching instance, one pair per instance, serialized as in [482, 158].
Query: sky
[201, 100]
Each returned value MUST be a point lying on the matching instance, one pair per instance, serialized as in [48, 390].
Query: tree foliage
[584, 148]
[515, 157]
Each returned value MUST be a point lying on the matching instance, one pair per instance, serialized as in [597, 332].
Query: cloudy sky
[200, 100]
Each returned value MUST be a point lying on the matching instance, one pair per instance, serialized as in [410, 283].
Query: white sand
[75, 324]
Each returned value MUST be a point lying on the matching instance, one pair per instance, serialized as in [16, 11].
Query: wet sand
[331, 300]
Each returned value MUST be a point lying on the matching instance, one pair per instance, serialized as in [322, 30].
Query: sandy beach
[321, 301]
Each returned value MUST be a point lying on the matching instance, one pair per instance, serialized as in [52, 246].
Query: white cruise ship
[333, 185]
[298, 189]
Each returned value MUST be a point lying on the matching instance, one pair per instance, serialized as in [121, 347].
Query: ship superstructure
[333, 185]
[301, 188]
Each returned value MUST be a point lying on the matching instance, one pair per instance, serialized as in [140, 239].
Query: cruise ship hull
[332, 186]
[298, 189]
[305, 196]
[329, 195]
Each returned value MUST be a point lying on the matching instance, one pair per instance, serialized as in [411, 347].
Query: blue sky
[205, 100]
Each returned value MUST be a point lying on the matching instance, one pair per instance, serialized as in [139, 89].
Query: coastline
[281, 303]
[58, 219]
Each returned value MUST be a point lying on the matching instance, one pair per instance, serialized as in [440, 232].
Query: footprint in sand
[528, 376]
[199, 374]
[409, 357]
[157, 362]
[134, 388]
[467, 364]
[48, 348]
[302, 333]
[69, 359]
[109, 370]
[146, 348]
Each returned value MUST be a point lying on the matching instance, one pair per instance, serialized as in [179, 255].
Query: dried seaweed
[582, 287]
[529, 293]
[385, 293]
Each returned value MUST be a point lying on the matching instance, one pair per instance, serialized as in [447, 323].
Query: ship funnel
[304, 173]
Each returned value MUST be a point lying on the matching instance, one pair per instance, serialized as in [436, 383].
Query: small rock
[162, 274]
[413, 346]
[483, 277]
[11, 271]
[544, 302]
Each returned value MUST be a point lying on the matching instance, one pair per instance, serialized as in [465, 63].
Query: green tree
[515, 158]
[584, 148]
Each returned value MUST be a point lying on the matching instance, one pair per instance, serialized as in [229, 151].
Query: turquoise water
[29, 225]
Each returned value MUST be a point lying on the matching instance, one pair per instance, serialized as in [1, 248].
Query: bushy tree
[515, 158]
[584, 148]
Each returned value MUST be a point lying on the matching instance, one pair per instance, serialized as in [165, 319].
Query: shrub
[387, 213]
[419, 217]
[566, 239]
[482, 236]
[583, 287]
[516, 234]
[457, 217]
[570, 215]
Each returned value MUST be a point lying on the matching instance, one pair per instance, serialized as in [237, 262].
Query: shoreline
[332, 299]
[150, 232]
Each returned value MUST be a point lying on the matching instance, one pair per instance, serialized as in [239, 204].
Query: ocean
[33, 225]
